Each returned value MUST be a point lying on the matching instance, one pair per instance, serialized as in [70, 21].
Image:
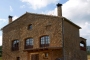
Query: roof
[26, 14]
[83, 38]
[41, 15]
[12, 22]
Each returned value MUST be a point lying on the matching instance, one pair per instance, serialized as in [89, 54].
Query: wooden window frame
[30, 27]
[44, 41]
[29, 43]
[15, 45]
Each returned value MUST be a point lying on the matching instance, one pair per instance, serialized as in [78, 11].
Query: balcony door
[35, 57]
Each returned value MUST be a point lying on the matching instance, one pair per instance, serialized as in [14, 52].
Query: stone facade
[64, 38]
[72, 42]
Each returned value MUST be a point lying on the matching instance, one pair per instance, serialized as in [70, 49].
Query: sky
[77, 11]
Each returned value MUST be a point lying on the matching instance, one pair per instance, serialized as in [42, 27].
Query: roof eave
[72, 23]
[13, 21]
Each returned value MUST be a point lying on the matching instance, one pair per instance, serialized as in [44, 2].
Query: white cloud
[51, 12]
[37, 4]
[23, 6]
[11, 9]
[77, 11]
[0, 40]
[15, 17]
[2, 20]
[85, 31]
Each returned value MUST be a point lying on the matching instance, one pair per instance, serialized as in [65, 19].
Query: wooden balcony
[44, 45]
[42, 49]
[28, 47]
[83, 48]
[15, 48]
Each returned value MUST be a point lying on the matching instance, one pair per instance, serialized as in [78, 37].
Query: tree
[0, 51]
[88, 50]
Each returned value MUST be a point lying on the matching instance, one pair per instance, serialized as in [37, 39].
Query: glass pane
[31, 41]
[14, 42]
[42, 38]
[42, 42]
[45, 40]
[27, 42]
[17, 41]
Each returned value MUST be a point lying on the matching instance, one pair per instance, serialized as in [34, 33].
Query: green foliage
[0, 51]
[88, 50]
[0, 58]
[1, 48]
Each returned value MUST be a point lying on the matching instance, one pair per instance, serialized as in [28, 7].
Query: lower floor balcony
[45, 53]
[83, 48]
[41, 49]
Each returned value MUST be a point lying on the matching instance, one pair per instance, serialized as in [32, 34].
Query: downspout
[59, 10]
[63, 38]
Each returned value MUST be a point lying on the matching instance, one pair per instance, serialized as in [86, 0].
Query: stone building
[43, 37]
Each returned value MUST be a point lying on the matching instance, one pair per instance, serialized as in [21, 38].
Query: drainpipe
[63, 38]
[59, 12]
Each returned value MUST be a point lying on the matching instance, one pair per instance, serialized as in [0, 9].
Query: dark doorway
[35, 57]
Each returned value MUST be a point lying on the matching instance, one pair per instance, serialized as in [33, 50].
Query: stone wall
[72, 42]
[41, 25]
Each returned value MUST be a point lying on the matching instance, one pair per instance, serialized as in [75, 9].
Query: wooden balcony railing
[29, 46]
[83, 48]
[15, 48]
[44, 45]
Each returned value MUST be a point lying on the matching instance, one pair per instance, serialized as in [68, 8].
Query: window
[45, 55]
[44, 41]
[15, 45]
[82, 45]
[30, 27]
[18, 58]
[28, 43]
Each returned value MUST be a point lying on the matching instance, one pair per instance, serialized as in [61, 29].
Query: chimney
[59, 9]
[10, 18]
